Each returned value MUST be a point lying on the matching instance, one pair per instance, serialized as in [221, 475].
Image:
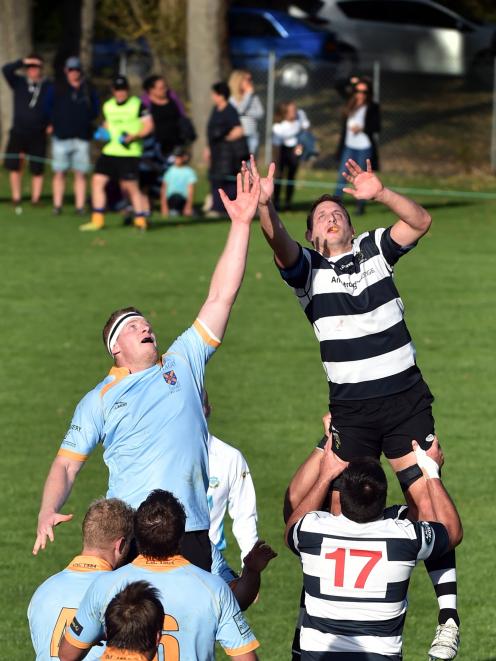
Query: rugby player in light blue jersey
[147, 413]
[200, 609]
[107, 532]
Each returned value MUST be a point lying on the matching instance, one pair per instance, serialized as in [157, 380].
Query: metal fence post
[493, 123]
[377, 81]
[269, 112]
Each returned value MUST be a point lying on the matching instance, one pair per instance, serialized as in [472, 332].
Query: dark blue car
[299, 48]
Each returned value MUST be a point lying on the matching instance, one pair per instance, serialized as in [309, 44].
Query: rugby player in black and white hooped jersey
[378, 399]
[357, 559]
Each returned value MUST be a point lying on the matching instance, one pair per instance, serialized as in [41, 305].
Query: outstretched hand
[266, 183]
[244, 207]
[259, 557]
[46, 525]
[367, 185]
[331, 464]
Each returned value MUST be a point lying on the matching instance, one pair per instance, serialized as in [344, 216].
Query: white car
[409, 36]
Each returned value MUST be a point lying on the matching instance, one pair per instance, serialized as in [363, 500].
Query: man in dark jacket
[29, 126]
[72, 105]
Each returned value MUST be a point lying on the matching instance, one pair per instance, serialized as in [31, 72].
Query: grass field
[266, 385]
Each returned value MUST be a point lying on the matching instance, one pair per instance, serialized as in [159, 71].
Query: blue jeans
[358, 155]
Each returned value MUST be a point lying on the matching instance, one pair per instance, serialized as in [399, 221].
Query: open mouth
[146, 340]
[333, 228]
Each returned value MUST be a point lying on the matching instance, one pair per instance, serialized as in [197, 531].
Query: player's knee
[408, 476]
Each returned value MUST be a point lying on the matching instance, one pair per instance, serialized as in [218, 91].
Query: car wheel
[293, 74]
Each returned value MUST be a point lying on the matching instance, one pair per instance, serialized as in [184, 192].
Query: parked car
[299, 48]
[409, 36]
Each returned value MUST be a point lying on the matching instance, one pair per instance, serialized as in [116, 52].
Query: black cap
[120, 83]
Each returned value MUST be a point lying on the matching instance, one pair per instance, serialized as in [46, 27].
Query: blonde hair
[106, 520]
[235, 79]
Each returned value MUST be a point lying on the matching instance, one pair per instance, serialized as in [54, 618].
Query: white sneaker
[446, 641]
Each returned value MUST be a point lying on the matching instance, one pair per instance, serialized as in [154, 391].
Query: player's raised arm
[56, 491]
[413, 220]
[230, 269]
[286, 249]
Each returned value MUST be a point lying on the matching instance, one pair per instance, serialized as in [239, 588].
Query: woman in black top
[227, 147]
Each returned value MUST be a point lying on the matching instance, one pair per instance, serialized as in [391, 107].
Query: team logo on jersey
[119, 405]
[428, 532]
[429, 438]
[76, 627]
[241, 623]
[170, 377]
[214, 482]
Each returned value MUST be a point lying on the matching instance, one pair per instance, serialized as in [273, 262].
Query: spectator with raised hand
[72, 105]
[28, 135]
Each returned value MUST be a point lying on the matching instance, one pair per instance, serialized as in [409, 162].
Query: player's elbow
[425, 221]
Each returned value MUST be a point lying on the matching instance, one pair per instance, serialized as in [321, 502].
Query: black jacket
[29, 100]
[72, 110]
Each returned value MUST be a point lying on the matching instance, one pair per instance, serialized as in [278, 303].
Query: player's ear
[308, 236]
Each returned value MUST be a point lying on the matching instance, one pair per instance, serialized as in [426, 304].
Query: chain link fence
[430, 124]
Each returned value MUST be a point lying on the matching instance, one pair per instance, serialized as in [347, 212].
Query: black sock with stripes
[442, 572]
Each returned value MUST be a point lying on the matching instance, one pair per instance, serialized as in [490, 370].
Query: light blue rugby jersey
[152, 427]
[56, 601]
[200, 609]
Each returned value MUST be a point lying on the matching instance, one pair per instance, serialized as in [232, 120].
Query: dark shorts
[368, 427]
[122, 168]
[195, 547]
[31, 145]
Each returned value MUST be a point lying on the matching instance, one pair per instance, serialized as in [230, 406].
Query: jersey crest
[170, 377]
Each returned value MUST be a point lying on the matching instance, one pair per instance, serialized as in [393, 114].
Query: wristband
[426, 463]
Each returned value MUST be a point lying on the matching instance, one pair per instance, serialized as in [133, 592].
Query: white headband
[117, 326]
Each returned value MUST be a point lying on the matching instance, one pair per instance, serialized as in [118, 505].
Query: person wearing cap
[72, 105]
[29, 127]
[147, 413]
[126, 122]
[178, 186]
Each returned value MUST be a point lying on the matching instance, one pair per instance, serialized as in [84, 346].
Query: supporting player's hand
[259, 557]
[46, 524]
[435, 452]
[326, 421]
[367, 185]
[431, 461]
[331, 465]
[243, 208]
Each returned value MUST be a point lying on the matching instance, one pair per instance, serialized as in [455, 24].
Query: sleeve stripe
[71, 455]
[76, 643]
[206, 334]
[237, 651]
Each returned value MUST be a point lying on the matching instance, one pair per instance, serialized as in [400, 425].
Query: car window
[397, 11]
[250, 25]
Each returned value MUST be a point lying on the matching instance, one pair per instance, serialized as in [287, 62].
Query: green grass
[266, 385]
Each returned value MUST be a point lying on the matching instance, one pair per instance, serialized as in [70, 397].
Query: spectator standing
[178, 186]
[361, 124]
[127, 122]
[289, 124]
[248, 105]
[226, 147]
[165, 112]
[72, 106]
[29, 127]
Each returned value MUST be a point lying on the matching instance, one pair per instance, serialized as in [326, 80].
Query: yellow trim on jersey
[249, 647]
[75, 642]
[114, 654]
[118, 373]
[204, 333]
[89, 563]
[173, 562]
[71, 455]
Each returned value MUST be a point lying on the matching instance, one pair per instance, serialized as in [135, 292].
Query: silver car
[409, 36]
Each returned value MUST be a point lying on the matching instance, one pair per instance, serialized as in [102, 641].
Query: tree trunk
[87, 29]
[15, 43]
[71, 35]
[205, 40]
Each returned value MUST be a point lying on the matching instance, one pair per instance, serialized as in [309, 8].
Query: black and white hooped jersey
[356, 578]
[357, 315]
